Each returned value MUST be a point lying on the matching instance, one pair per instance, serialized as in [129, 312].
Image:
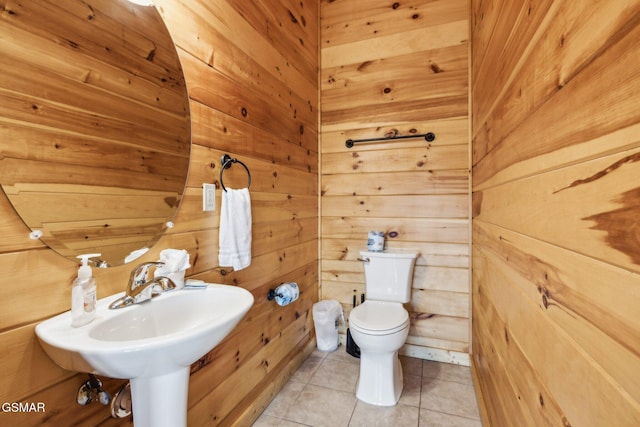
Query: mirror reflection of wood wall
[94, 124]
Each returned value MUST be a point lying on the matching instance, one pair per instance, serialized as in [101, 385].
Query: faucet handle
[140, 273]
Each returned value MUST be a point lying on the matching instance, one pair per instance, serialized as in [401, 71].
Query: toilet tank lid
[391, 253]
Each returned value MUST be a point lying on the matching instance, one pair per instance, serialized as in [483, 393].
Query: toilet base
[380, 382]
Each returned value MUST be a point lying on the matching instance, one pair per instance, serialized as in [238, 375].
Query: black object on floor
[352, 347]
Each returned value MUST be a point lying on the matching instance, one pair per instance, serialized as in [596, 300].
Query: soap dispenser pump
[83, 293]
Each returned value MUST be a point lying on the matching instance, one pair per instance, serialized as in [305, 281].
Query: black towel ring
[226, 161]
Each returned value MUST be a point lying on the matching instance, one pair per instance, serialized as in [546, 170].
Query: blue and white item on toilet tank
[375, 241]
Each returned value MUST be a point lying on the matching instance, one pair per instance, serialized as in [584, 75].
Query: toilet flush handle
[364, 259]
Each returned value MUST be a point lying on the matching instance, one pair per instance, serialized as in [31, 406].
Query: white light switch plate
[208, 197]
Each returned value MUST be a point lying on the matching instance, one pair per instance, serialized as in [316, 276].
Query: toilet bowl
[380, 325]
[380, 329]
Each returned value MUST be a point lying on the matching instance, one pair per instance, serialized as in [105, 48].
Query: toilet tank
[388, 275]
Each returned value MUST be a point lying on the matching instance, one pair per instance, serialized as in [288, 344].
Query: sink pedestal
[160, 401]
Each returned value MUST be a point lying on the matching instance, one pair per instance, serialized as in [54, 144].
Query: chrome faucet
[141, 289]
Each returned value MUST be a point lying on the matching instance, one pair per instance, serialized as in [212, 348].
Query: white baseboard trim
[428, 353]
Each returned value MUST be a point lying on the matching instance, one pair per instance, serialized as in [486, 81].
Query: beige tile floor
[322, 393]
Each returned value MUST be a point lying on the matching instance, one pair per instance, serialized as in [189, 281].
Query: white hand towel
[235, 229]
[174, 260]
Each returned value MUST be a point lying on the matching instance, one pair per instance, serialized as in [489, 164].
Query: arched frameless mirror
[94, 123]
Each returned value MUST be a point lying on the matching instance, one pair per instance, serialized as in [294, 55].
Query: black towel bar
[429, 136]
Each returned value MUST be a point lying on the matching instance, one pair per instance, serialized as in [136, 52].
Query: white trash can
[326, 315]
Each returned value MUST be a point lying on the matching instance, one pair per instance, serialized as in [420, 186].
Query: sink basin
[152, 344]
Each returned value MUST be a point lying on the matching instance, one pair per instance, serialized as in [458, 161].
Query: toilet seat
[379, 317]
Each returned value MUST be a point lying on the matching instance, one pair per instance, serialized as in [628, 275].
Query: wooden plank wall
[396, 69]
[556, 201]
[251, 69]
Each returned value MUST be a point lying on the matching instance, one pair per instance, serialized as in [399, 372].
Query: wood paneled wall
[251, 69]
[556, 201]
[396, 69]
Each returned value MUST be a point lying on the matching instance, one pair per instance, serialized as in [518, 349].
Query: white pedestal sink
[153, 344]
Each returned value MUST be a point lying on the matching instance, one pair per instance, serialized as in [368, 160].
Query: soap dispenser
[83, 294]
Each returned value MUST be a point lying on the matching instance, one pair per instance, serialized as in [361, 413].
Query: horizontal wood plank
[369, 49]
[404, 229]
[344, 22]
[390, 183]
[431, 206]
[429, 158]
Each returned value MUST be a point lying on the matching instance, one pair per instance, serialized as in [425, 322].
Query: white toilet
[380, 325]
